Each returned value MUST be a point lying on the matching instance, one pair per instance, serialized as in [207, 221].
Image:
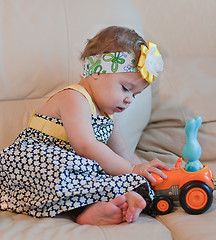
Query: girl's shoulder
[64, 94]
[75, 87]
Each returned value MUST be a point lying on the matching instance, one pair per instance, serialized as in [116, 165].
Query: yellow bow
[149, 77]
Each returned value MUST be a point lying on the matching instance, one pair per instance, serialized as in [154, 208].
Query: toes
[130, 215]
[124, 209]
[124, 206]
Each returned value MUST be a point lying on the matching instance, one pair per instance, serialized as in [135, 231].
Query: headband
[149, 64]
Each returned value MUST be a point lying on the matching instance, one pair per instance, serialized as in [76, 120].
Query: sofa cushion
[23, 227]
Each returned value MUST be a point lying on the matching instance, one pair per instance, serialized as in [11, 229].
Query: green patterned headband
[149, 64]
[109, 63]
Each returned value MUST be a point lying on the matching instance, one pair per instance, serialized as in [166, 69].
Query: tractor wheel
[196, 197]
[163, 205]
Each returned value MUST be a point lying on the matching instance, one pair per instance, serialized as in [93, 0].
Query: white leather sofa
[40, 43]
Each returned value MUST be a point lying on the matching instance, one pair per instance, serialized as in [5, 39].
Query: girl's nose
[128, 100]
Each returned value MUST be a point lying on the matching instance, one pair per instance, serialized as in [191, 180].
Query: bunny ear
[190, 128]
[198, 121]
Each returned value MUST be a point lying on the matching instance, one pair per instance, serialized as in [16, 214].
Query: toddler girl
[71, 157]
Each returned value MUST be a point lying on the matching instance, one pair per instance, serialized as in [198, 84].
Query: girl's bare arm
[74, 110]
[118, 145]
[75, 113]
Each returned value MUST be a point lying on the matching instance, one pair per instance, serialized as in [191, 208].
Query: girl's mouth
[120, 109]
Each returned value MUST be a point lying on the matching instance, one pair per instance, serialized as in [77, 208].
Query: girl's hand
[145, 169]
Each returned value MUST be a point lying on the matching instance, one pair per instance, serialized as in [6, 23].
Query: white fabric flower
[153, 63]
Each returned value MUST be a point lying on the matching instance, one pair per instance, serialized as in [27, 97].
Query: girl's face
[114, 92]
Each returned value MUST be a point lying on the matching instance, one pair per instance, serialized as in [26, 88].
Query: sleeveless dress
[41, 175]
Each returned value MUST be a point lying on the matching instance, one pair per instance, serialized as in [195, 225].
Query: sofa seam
[163, 222]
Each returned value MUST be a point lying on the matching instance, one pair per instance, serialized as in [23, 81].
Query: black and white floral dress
[42, 176]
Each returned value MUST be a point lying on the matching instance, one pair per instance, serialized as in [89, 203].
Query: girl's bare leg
[122, 208]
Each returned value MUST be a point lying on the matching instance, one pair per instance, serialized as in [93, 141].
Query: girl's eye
[134, 95]
[125, 89]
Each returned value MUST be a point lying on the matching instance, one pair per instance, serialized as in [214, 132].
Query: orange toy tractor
[191, 185]
[194, 190]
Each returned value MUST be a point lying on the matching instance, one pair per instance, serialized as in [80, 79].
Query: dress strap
[82, 90]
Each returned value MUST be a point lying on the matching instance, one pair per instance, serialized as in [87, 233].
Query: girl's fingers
[158, 172]
[149, 177]
[157, 163]
[146, 169]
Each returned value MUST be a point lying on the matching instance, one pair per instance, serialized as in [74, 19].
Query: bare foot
[136, 204]
[105, 213]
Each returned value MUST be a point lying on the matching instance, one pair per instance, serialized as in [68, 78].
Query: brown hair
[114, 39]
